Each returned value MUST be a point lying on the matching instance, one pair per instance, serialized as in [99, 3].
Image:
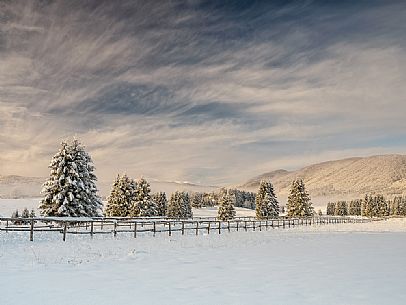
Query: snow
[333, 264]
[8, 206]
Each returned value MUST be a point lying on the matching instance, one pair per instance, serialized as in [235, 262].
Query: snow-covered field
[335, 264]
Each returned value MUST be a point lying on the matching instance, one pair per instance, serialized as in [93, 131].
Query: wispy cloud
[197, 91]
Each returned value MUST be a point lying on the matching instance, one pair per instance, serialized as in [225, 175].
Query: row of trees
[71, 191]
[240, 198]
[370, 206]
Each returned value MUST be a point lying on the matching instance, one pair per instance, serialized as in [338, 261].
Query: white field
[356, 264]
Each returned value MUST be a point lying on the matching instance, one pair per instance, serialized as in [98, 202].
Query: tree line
[71, 191]
[370, 206]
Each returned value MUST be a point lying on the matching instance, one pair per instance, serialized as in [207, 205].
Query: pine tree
[197, 200]
[354, 207]
[143, 206]
[32, 214]
[382, 206]
[179, 206]
[25, 213]
[266, 204]
[320, 213]
[330, 208]
[16, 215]
[175, 206]
[299, 204]
[161, 203]
[226, 210]
[187, 207]
[367, 206]
[71, 189]
[121, 198]
[341, 208]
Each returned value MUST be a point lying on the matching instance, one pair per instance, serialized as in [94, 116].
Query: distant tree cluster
[240, 198]
[370, 206]
[24, 214]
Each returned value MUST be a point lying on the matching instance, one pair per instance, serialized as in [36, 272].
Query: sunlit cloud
[200, 92]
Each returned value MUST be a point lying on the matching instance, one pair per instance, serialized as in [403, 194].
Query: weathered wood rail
[154, 225]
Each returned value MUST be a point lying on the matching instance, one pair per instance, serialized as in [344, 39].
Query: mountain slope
[352, 177]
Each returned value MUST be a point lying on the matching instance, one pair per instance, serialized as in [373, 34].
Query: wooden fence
[135, 226]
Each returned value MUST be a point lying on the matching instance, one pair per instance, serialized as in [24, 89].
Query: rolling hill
[352, 177]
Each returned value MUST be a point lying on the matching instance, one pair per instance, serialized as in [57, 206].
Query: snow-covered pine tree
[25, 213]
[161, 203]
[330, 208]
[266, 204]
[121, 198]
[143, 206]
[32, 214]
[15, 214]
[175, 209]
[226, 210]
[354, 207]
[396, 206]
[341, 208]
[196, 200]
[71, 187]
[367, 206]
[187, 207]
[299, 204]
[382, 206]
[179, 206]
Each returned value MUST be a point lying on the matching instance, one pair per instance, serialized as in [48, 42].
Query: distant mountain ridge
[14, 186]
[351, 177]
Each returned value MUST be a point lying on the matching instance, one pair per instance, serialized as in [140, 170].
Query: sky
[210, 92]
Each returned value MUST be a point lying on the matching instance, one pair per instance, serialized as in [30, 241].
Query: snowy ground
[335, 264]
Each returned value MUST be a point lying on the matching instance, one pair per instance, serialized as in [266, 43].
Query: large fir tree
[71, 187]
[226, 210]
[266, 204]
[299, 204]
[122, 197]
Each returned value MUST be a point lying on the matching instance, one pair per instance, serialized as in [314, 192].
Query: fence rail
[135, 226]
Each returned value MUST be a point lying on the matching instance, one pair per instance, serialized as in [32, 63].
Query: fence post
[115, 229]
[219, 227]
[253, 225]
[208, 227]
[183, 228]
[245, 225]
[228, 226]
[64, 231]
[237, 224]
[154, 228]
[197, 227]
[32, 230]
[91, 229]
[170, 228]
[135, 230]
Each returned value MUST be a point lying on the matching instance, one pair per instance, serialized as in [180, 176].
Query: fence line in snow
[135, 226]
